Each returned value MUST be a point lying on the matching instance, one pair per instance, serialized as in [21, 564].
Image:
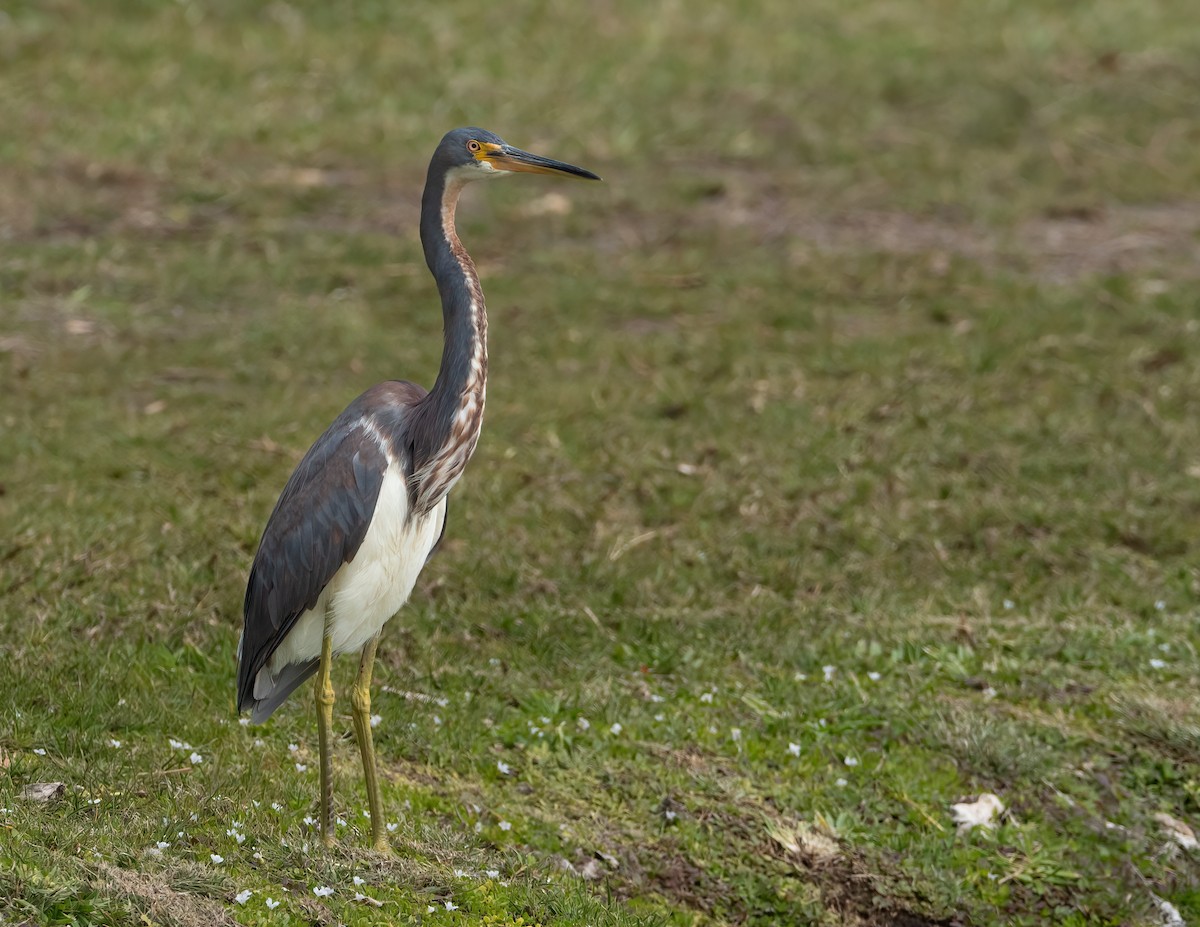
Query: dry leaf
[982, 812]
[1178, 831]
[43, 792]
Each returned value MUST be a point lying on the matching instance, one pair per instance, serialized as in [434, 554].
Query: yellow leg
[360, 699]
[324, 728]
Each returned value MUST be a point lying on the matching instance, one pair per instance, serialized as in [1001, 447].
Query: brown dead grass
[152, 896]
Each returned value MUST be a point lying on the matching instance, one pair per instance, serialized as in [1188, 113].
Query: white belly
[372, 587]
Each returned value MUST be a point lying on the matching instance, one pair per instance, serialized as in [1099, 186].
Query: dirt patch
[152, 895]
[1117, 240]
[664, 869]
[75, 198]
[844, 881]
[1056, 248]
[848, 889]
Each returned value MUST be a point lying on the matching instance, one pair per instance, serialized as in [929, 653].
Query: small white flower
[258, 741]
[243, 896]
[670, 815]
[376, 720]
[828, 670]
[735, 733]
[392, 827]
[359, 880]
[660, 717]
[492, 873]
[244, 722]
[616, 728]
[794, 749]
[322, 891]
[656, 698]
[1157, 663]
[841, 783]
[301, 767]
[179, 744]
[712, 729]
[1160, 605]
[217, 859]
[196, 759]
[115, 744]
[39, 751]
[851, 761]
[258, 856]
[451, 906]
[293, 748]
[873, 676]
[1008, 604]
[707, 697]
[429, 909]
[800, 677]
[505, 769]
[583, 724]
[240, 838]
[162, 845]
[275, 806]
[479, 827]
[272, 904]
[309, 820]
[504, 825]
[153, 851]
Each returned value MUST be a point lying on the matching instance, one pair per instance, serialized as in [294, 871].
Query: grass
[841, 460]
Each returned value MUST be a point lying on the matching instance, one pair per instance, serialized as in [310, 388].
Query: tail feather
[272, 691]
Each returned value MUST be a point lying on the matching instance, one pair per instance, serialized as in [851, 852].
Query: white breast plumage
[372, 587]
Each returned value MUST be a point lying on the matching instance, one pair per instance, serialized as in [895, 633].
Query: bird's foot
[381, 845]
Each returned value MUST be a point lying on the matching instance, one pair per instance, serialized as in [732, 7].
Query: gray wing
[318, 525]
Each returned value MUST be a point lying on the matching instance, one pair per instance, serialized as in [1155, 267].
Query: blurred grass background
[841, 458]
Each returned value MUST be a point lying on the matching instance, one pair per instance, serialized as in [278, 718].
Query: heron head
[481, 153]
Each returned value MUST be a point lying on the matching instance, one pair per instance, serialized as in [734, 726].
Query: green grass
[877, 351]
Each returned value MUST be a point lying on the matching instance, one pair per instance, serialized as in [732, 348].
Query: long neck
[453, 411]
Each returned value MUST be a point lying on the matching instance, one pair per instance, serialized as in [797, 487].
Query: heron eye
[473, 145]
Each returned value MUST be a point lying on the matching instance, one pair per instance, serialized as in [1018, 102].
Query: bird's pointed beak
[507, 158]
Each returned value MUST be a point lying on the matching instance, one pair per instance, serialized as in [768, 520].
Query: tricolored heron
[366, 507]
